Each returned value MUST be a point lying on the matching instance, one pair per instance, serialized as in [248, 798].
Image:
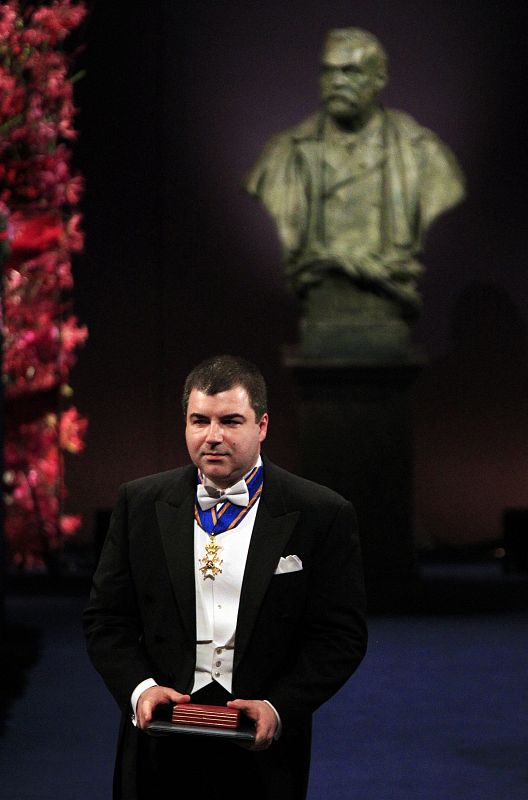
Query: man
[229, 581]
[352, 190]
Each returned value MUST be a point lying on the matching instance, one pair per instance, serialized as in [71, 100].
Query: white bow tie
[209, 496]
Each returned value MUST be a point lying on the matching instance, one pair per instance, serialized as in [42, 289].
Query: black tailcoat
[299, 635]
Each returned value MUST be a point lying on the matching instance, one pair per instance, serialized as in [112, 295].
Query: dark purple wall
[180, 263]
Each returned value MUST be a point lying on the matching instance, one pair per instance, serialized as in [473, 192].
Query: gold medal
[211, 562]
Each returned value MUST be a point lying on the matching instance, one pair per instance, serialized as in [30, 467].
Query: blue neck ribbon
[229, 515]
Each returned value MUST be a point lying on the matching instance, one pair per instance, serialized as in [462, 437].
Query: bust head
[353, 72]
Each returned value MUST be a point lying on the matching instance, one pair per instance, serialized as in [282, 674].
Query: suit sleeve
[334, 636]
[111, 618]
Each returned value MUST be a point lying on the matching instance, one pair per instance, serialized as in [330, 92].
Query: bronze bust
[353, 189]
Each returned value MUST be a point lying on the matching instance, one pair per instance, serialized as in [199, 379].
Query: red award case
[205, 720]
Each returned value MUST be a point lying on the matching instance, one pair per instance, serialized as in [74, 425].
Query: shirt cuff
[138, 691]
[279, 728]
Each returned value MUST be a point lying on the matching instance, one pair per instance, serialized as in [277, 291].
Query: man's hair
[220, 373]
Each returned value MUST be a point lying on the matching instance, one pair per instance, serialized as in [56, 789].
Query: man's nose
[215, 432]
[338, 78]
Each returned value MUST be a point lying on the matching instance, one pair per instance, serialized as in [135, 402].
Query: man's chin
[341, 110]
[215, 467]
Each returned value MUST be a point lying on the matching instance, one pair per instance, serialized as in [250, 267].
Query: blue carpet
[437, 711]
[59, 738]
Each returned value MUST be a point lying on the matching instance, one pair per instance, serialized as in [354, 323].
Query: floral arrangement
[40, 230]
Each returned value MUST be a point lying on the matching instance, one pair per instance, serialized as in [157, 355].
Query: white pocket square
[289, 564]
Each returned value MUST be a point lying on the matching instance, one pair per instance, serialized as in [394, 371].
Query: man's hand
[265, 720]
[156, 696]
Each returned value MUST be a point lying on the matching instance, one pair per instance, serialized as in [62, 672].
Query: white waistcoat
[217, 602]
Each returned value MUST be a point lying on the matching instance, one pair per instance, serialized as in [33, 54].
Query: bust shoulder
[408, 127]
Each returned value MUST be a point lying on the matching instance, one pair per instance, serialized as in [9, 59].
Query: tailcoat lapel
[273, 527]
[176, 523]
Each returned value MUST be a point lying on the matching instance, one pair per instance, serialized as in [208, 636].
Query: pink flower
[74, 239]
[40, 335]
[7, 20]
[69, 524]
[74, 189]
[72, 430]
[32, 233]
[72, 335]
[58, 19]
[56, 82]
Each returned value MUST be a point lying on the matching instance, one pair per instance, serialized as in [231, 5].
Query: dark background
[180, 263]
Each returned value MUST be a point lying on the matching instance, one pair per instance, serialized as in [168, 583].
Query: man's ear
[381, 79]
[263, 427]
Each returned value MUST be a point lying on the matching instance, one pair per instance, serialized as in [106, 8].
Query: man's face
[349, 80]
[223, 435]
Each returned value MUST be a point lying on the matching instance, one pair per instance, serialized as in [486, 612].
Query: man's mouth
[346, 98]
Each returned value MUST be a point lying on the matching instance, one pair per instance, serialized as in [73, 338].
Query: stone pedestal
[345, 321]
[354, 435]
